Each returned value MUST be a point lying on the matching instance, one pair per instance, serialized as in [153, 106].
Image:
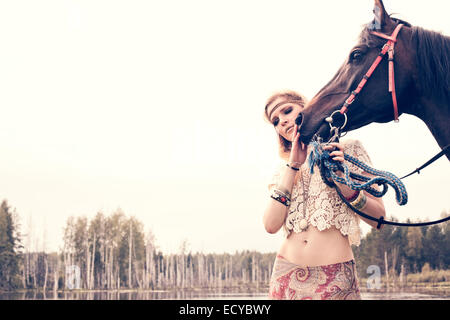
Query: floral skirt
[337, 281]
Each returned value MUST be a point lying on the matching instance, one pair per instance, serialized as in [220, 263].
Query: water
[405, 296]
[409, 294]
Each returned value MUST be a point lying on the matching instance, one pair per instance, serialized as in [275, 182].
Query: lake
[406, 294]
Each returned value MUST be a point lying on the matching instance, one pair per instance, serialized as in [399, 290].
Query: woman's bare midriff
[315, 248]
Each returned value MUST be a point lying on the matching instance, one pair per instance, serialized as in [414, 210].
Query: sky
[156, 107]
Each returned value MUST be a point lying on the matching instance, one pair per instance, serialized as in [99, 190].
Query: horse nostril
[299, 120]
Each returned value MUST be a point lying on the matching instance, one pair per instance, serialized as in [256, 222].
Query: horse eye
[356, 55]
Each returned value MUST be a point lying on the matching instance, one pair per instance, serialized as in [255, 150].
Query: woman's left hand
[337, 155]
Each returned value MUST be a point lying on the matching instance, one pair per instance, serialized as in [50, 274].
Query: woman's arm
[374, 206]
[275, 212]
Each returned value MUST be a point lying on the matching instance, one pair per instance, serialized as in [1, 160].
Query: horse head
[374, 103]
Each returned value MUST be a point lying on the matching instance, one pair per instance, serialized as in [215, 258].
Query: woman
[315, 260]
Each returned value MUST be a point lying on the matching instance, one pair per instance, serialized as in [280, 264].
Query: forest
[114, 252]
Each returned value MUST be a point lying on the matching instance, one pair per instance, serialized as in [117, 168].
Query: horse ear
[381, 18]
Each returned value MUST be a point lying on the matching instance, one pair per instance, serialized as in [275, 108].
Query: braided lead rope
[391, 179]
[328, 167]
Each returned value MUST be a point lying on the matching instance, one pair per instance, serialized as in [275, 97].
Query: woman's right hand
[298, 150]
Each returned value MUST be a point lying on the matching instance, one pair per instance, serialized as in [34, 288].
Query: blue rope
[328, 168]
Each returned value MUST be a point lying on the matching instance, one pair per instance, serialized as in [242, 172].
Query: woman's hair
[287, 96]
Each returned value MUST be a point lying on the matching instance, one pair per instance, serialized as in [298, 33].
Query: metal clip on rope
[335, 132]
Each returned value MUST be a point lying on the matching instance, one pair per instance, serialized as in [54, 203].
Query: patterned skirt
[337, 281]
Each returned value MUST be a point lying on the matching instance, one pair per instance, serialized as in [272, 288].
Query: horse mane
[432, 57]
[433, 61]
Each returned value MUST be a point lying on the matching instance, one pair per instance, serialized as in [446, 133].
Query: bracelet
[363, 202]
[353, 196]
[280, 197]
[360, 201]
[356, 203]
[295, 163]
[284, 191]
[293, 168]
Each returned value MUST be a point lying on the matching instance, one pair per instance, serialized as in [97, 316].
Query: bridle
[389, 48]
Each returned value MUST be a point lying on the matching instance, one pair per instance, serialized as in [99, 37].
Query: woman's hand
[337, 155]
[298, 150]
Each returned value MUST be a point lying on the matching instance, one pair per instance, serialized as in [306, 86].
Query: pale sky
[156, 107]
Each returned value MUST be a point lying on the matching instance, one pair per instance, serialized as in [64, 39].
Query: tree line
[114, 252]
[401, 250]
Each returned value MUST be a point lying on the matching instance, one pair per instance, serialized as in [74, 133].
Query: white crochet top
[324, 208]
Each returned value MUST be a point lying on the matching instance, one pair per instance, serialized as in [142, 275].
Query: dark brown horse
[422, 81]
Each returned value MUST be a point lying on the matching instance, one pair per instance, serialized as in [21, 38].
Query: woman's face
[282, 115]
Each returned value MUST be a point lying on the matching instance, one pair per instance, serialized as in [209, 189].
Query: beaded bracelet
[283, 190]
[282, 193]
[280, 197]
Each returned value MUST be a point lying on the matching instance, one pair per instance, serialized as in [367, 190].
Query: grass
[427, 279]
[430, 276]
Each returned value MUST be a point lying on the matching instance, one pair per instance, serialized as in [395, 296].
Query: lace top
[324, 208]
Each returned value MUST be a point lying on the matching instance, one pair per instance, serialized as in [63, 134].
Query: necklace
[304, 222]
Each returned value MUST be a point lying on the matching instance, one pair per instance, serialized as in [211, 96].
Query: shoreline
[422, 286]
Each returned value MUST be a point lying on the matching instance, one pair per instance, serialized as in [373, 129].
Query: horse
[421, 86]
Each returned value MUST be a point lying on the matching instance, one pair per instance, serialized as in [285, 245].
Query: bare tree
[129, 254]
[386, 268]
